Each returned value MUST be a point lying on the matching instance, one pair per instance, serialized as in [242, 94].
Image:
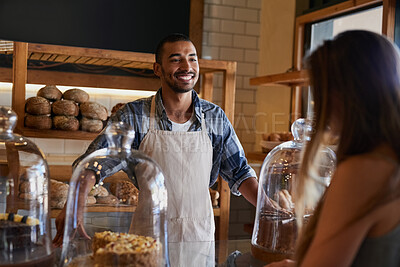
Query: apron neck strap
[153, 111]
[203, 123]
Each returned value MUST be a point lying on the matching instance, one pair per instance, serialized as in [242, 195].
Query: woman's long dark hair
[356, 75]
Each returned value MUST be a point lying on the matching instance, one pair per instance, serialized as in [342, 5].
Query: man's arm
[85, 182]
[249, 189]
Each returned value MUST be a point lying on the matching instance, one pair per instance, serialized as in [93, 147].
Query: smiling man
[190, 138]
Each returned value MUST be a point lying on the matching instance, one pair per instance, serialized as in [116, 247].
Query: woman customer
[355, 82]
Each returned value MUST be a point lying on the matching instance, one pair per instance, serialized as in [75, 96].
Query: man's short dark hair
[172, 38]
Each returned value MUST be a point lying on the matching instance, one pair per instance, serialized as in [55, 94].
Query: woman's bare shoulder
[364, 173]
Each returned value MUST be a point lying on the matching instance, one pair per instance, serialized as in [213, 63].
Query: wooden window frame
[388, 23]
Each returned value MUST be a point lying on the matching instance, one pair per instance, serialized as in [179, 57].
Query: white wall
[231, 32]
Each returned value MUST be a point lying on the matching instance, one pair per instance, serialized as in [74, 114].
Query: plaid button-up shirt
[228, 155]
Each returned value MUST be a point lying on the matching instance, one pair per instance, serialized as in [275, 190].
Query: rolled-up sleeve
[234, 167]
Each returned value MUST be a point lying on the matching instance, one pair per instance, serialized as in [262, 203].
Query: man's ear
[157, 69]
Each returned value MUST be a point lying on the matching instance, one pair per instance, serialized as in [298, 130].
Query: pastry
[125, 191]
[99, 191]
[109, 200]
[120, 249]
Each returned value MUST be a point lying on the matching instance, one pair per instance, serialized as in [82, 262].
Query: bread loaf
[125, 191]
[30, 196]
[99, 191]
[90, 200]
[37, 105]
[42, 122]
[89, 125]
[110, 200]
[117, 107]
[32, 188]
[50, 92]
[58, 189]
[57, 203]
[76, 95]
[93, 110]
[66, 123]
[58, 194]
[65, 107]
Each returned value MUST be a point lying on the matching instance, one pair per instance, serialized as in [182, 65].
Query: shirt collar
[160, 109]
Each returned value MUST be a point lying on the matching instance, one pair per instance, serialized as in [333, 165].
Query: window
[370, 19]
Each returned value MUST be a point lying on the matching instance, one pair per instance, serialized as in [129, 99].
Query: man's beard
[179, 90]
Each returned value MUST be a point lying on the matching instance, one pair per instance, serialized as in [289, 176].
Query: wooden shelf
[107, 208]
[79, 135]
[294, 78]
[102, 57]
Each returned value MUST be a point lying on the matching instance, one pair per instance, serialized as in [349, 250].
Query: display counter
[227, 253]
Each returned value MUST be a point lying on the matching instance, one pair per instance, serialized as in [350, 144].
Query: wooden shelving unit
[63, 173]
[21, 75]
[294, 78]
[291, 79]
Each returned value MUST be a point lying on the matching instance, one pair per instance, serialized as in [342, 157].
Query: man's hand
[285, 200]
[60, 224]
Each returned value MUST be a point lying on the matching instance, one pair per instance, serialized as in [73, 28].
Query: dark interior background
[129, 25]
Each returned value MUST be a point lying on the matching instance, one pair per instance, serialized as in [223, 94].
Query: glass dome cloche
[122, 229]
[275, 228]
[25, 234]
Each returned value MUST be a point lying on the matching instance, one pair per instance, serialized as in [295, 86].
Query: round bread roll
[274, 137]
[99, 191]
[65, 107]
[89, 125]
[58, 189]
[288, 136]
[90, 200]
[93, 110]
[66, 123]
[76, 95]
[30, 188]
[42, 122]
[24, 187]
[58, 203]
[50, 92]
[37, 105]
[110, 200]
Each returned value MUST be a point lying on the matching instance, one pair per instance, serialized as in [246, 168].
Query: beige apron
[186, 161]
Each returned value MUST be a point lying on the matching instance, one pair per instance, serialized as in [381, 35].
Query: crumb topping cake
[121, 249]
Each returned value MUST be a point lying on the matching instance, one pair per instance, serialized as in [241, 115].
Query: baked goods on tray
[121, 249]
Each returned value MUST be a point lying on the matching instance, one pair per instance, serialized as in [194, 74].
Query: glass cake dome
[123, 227]
[275, 227]
[25, 235]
